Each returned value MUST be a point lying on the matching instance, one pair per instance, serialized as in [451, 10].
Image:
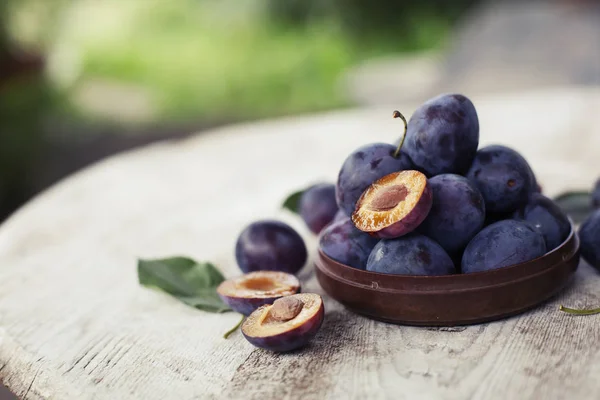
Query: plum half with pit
[413, 254]
[246, 293]
[457, 213]
[443, 135]
[270, 246]
[342, 242]
[394, 205]
[318, 206]
[288, 324]
[547, 218]
[363, 167]
[503, 244]
[589, 234]
[503, 177]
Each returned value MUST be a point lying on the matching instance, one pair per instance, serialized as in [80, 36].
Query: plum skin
[270, 246]
[596, 195]
[547, 218]
[292, 339]
[318, 206]
[363, 167]
[443, 135]
[344, 243]
[503, 177]
[589, 235]
[457, 213]
[502, 244]
[413, 254]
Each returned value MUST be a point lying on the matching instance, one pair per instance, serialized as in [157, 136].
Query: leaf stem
[398, 114]
[235, 328]
[575, 311]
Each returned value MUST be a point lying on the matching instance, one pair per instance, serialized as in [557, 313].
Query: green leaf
[578, 205]
[292, 202]
[195, 284]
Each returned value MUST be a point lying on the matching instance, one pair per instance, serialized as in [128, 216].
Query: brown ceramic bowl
[451, 299]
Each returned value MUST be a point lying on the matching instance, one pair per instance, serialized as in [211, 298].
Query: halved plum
[394, 205]
[248, 292]
[289, 323]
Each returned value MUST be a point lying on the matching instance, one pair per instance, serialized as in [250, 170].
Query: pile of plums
[432, 203]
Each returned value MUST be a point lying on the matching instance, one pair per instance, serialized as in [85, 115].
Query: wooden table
[75, 324]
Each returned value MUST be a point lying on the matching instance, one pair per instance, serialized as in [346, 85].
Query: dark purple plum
[503, 177]
[412, 254]
[246, 293]
[290, 323]
[363, 167]
[318, 206]
[502, 244]
[596, 195]
[270, 246]
[547, 218]
[443, 135]
[394, 205]
[457, 213]
[342, 242]
[589, 234]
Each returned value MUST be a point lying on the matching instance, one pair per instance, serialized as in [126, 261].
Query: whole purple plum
[503, 177]
[318, 206]
[589, 234]
[502, 244]
[342, 242]
[443, 135]
[457, 213]
[547, 218]
[270, 246]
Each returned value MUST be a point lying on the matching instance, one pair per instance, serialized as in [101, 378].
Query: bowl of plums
[434, 230]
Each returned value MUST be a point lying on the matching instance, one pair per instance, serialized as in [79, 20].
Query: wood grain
[74, 323]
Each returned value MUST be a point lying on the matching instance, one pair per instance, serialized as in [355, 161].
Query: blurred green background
[81, 79]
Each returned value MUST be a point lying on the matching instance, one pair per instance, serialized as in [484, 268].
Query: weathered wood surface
[74, 323]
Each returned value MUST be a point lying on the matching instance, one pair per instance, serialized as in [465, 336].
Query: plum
[457, 212]
[502, 244]
[318, 206]
[339, 216]
[589, 234]
[547, 218]
[270, 246]
[393, 205]
[596, 195]
[246, 293]
[413, 254]
[363, 167]
[288, 324]
[503, 177]
[342, 242]
[443, 135]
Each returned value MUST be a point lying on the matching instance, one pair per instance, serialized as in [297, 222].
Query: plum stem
[398, 114]
[235, 328]
[579, 312]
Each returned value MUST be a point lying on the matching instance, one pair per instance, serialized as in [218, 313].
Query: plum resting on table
[413, 254]
[318, 206]
[270, 246]
[443, 135]
[246, 293]
[393, 205]
[363, 167]
[547, 218]
[289, 323]
[589, 234]
[503, 244]
[342, 242]
[503, 177]
[457, 213]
